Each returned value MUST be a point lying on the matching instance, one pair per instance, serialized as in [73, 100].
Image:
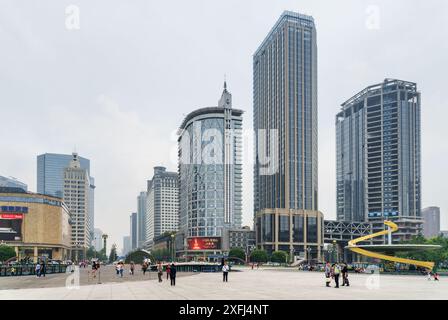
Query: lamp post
[172, 247]
[335, 251]
[308, 250]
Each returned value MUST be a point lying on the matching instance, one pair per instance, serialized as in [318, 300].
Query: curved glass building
[210, 173]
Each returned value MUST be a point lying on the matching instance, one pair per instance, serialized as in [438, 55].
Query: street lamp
[335, 251]
[172, 247]
[308, 250]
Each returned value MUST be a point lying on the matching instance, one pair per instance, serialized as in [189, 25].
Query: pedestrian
[258, 265]
[94, 269]
[345, 275]
[37, 270]
[43, 269]
[168, 271]
[225, 272]
[144, 267]
[328, 274]
[160, 271]
[173, 274]
[13, 271]
[336, 273]
[131, 268]
[436, 276]
[428, 274]
[252, 266]
[117, 269]
[121, 269]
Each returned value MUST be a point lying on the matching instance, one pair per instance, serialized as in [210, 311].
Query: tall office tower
[210, 173]
[378, 157]
[98, 239]
[162, 200]
[126, 245]
[431, 224]
[285, 124]
[50, 179]
[12, 183]
[133, 230]
[141, 219]
[76, 192]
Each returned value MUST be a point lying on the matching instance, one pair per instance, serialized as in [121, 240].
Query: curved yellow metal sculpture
[393, 227]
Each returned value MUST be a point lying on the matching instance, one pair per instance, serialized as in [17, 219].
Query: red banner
[204, 243]
[11, 216]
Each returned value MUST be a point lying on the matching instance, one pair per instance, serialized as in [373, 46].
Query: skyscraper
[431, 225]
[141, 219]
[50, 178]
[210, 173]
[126, 245]
[133, 230]
[76, 193]
[162, 200]
[98, 239]
[378, 157]
[285, 124]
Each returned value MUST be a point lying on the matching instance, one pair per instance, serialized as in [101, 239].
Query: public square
[244, 284]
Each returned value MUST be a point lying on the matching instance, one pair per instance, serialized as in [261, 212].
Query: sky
[116, 83]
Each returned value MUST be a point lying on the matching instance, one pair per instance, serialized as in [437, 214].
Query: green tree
[162, 254]
[438, 256]
[91, 253]
[279, 257]
[6, 252]
[113, 253]
[259, 256]
[237, 253]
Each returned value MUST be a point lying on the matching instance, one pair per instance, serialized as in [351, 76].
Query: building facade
[76, 195]
[285, 124]
[12, 183]
[133, 230]
[243, 238]
[378, 157]
[210, 175]
[141, 218]
[126, 245]
[162, 204]
[37, 226]
[431, 224]
[98, 239]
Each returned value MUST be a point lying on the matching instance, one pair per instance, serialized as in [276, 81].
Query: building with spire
[76, 195]
[210, 176]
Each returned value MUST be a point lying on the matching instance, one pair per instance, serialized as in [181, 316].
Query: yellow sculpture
[392, 228]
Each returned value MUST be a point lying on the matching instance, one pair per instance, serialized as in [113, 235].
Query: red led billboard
[199, 243]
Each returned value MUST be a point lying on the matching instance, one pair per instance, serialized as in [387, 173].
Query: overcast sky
[119, 86]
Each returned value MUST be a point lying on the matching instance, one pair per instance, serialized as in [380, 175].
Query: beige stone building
[35, 225]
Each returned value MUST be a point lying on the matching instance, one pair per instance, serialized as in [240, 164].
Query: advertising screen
[208, 243]
[11, 223]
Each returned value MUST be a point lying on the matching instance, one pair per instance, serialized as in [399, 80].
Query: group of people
[170, 272]
[335, 271]
[431, 275]
[41, 269]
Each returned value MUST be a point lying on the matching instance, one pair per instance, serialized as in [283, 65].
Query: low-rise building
[36, 225]
[241, 238]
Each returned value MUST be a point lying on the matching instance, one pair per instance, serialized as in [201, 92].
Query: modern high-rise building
[133, 230]
[12, 183]
[210, 174]
[141, 219]
[126, 245]
[162, 204]
[76, 193]
[285, 124]
[378, 157]
[98, 239]
[431, 224]
[50, 178]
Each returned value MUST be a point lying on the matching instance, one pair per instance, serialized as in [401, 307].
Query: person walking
[168, 271]
[225, 272]
[38, 270]
[173, 274]
[160, 271]
[345, 281]
[327, 274]
[336, 273]
[43, 269]
[121, 269]
[131, 268]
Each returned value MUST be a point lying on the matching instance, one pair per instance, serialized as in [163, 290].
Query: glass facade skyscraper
[285, 123]
[210, 170]
[378, 157]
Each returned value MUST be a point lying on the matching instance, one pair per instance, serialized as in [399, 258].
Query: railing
[193, 268]
[30, 269]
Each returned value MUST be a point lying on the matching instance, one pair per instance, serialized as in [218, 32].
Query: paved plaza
[269, 284]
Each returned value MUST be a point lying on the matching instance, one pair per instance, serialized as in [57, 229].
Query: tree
[113, 253]
[438, 256]
[279, 257]
[259, 256]
[237, 253]
[6, 252]
[91, 253]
